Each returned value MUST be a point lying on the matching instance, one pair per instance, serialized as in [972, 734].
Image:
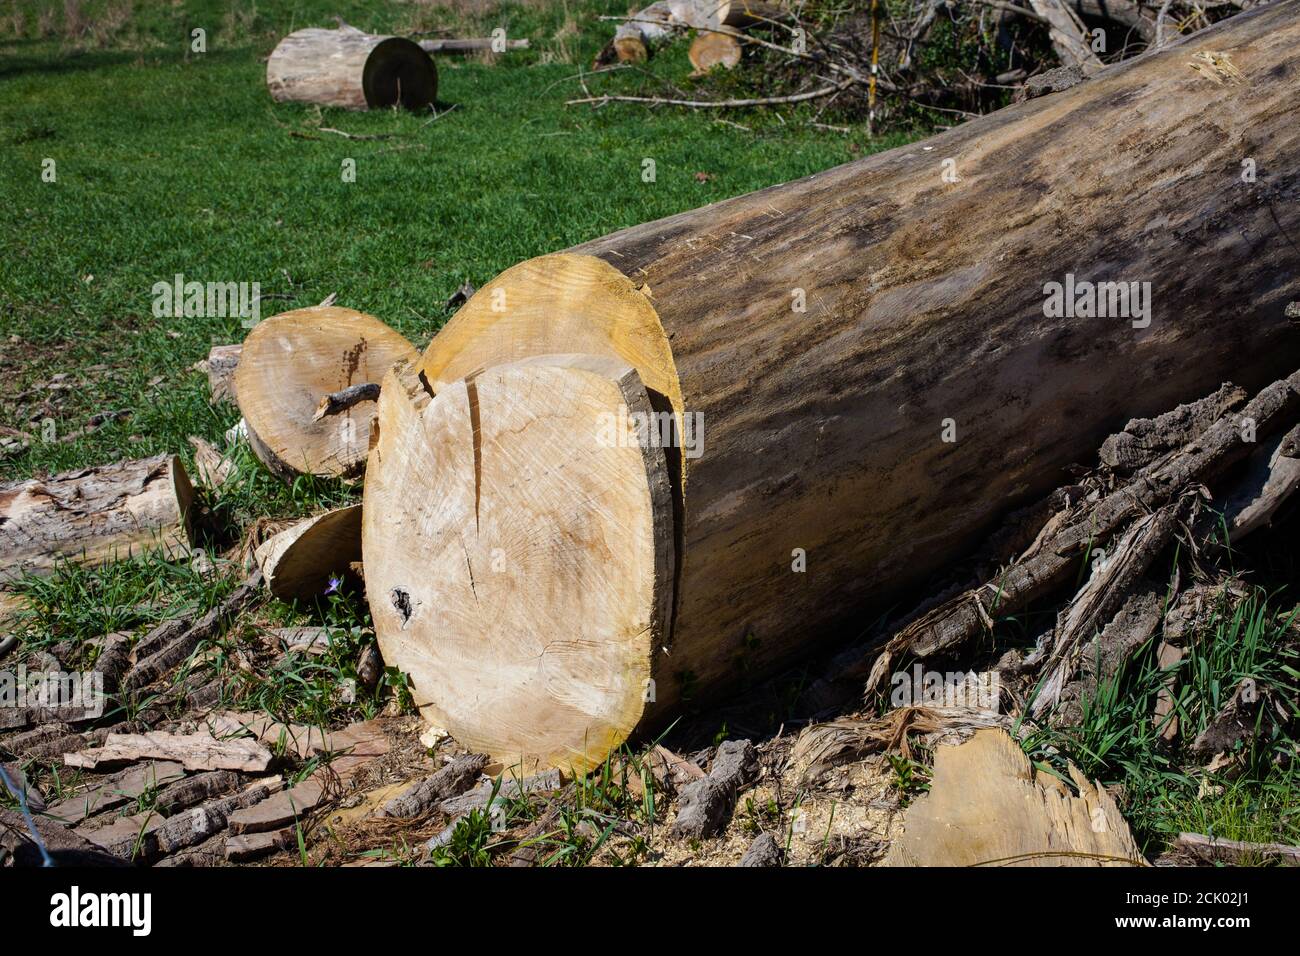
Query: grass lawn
[173, 162]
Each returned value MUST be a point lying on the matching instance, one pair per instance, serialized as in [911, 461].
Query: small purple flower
[334, 585]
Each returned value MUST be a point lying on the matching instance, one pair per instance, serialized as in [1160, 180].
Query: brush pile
[899, 64]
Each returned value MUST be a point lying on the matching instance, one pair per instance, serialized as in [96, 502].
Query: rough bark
[193, 751]
[1071, 534]
[220, 366]
[451, 781]
[115, 790]
[94, 515]
[705, 806]
[169, 646]
[763, 852]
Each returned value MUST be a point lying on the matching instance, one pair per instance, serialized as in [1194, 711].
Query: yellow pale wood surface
[289, 362]
[550, 305]
[714, 49]
[988, 807]
[518, 563]
[299, 561]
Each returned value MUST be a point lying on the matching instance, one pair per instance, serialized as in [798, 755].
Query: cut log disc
[519, 555]
[289, 363]
[95, 515]
[714, 49]
[299, 561]
[351, 69]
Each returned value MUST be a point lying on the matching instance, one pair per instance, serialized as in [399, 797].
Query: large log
[351, 69]
[929, 316]
[95, 515]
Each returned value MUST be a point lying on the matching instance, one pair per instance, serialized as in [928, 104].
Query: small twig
[715, 104]
[1160, 23]
[342, 400]
[347, 135]
[1011, 8]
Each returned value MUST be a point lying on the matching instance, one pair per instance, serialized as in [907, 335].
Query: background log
[351, 69]
[468, 45]
[95, 515]
[873, 354]
[714, 49]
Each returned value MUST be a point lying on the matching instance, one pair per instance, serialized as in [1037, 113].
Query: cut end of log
[709, 50]
[631, 50]
[398, 72]
[476, 496]
[289, 364]
[555, 304]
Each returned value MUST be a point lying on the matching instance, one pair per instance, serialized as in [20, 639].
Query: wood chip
[987, 807]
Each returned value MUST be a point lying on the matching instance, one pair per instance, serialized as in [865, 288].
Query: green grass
[173, 162]
[1165, 790]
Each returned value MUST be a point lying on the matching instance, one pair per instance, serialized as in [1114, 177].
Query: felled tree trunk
[290, 367]
[351, 69]
[870, 368]
[94, 515]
